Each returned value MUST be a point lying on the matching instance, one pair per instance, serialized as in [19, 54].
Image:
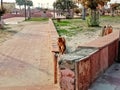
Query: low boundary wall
[80, 73]
[54, 48]
[78, 70]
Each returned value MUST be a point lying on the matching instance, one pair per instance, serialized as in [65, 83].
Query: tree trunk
[29, 13]
[83, 13]
[1, 22]
[25, 12]
[94, 18]
[112, 12]
[20, 9]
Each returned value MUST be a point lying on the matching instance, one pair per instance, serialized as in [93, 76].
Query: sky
[38, 3]
[45, 3]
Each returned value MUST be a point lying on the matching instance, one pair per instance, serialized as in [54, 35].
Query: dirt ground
[82, 38]
[88, 36]
[10, 28]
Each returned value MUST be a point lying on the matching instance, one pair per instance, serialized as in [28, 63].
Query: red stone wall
[95, 65]
[103, 59]
[89, 69]
[67, 79]
[112, 52]
[84, 77]
[5, 16]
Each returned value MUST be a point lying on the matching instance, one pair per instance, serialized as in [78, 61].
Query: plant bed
[77, 32]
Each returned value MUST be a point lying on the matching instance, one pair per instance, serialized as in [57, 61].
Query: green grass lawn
[71, 27]
[38, 19]
[110, 20]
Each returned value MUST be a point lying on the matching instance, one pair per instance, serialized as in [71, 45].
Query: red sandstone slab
[103, 41]
[103, 59]
[67, 79]
[84, 74]
[95, 65]
[54, 35]
[112, 53]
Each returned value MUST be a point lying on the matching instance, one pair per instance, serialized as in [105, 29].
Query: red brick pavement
[26, 61]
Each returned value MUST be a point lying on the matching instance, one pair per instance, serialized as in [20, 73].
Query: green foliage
[62, 23]
[77, 26]
[109, 20]
[91, 22]
[23, 2]
[38, 19]
[62, 32]
[69, 27]
[20, 2]
[29, 3]
[64, 6]
[93, 5]
[93, 19]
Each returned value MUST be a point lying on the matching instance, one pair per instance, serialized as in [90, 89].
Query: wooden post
[55, 68]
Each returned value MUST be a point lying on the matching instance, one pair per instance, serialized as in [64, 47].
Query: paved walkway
[110, 80]
[26, 61]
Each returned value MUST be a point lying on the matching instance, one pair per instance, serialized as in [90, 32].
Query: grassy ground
[71, 27]
[38, 19]
[105, 20]
[76, 31]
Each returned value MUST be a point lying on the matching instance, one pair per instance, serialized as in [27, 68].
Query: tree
[25, 3]
[93, 20]
[29, 4]
[64, 6]
[113, 8]
[2, 11]
[20, 3]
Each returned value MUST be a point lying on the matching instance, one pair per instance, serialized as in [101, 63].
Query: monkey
[62, 45]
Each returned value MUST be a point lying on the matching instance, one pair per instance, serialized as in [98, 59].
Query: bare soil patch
[77, 32]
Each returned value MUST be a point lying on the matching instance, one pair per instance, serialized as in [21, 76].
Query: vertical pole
[54, 12]
[25, 10]
[83, 13]
[55, 68]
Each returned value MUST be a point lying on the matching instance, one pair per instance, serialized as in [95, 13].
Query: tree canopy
[29, 3]
[19, 2]
[64, 4]
[93, 4]
[23, 2]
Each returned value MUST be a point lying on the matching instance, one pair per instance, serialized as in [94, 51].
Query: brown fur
[61, 45]
[107, 30]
